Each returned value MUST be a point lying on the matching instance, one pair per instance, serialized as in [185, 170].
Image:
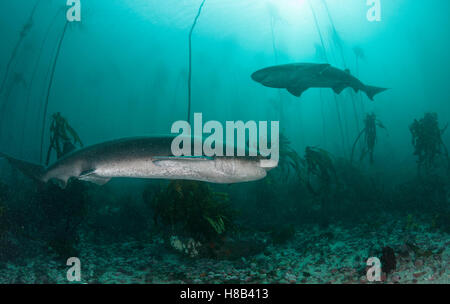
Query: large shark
[298, 77]
[142, 157]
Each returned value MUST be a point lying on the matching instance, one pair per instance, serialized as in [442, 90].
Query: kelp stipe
[33, 77]
[322, 42]
[190, 60]
[23, 34]
[50, 88]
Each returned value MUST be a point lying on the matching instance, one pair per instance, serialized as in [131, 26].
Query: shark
[296, 78]
[142, 157]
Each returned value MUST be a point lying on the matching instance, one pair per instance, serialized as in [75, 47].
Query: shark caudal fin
[31, 170]
[372, 91]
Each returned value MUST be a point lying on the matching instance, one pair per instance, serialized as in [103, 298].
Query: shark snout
[272, 77]
[259, 76]
[268, 164]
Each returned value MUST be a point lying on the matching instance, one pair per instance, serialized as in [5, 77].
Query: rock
[235, 249]
[395, 278]
[404, 251]
[418, 263]
[418, 274]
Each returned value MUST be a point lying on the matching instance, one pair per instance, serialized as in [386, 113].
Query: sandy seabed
[314, 256]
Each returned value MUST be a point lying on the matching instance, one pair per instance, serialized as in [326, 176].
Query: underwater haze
[356, 178]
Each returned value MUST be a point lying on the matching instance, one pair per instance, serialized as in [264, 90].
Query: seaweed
[63, 138]
[321, 57]
[319, 164]
[64, 211]
[344, 138]
[289, 159]
[190, 60]
[370, 136]
[388, 260]
[192, 209]
[23, 34]
[49, 89]
[274, 18]
[33, 76]
[427, 143]
[359, 55]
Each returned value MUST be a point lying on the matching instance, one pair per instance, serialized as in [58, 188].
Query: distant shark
[296, 78]
[142, 157]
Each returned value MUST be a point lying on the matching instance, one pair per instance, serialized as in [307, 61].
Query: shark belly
[210, 170]
[160, 169]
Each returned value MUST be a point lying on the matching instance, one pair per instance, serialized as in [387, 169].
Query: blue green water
[123, 71]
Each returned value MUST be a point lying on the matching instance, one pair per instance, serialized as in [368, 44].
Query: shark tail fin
[372, 91]
[34, 171]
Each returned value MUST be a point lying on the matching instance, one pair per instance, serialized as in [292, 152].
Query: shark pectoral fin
[90, 176]
[296, 91]
[99, 180]
[338, 89]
